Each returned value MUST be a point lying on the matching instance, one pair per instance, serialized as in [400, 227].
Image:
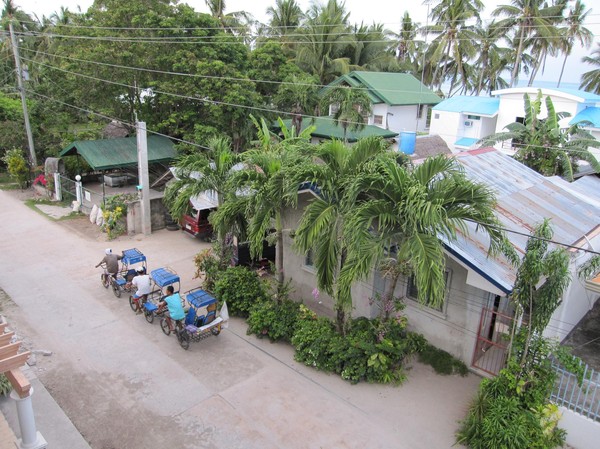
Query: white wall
[577, 301]
[379, 109]
[445, 126]
[582, 433]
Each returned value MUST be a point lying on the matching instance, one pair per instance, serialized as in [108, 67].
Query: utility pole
[144, 186]
[22, 92]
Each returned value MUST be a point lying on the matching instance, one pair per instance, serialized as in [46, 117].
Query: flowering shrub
[115, 208]
[41, 179]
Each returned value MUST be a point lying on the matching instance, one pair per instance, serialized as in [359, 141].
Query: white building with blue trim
[462, 121]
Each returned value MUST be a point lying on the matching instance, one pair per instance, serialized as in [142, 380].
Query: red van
[197, 224]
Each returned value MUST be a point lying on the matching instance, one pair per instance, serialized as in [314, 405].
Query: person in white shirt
[143, 285]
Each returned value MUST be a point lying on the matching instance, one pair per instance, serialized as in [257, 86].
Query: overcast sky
[388, 12]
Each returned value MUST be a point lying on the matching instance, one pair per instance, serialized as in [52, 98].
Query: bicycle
[183, 337]
[109, 280]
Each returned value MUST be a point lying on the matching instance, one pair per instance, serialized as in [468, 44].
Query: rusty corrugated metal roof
[524, 199]
[106, 154]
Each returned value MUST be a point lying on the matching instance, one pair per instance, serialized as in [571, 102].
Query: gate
[68, 192]
[492, 341]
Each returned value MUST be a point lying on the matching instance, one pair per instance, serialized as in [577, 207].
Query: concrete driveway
[126, 385]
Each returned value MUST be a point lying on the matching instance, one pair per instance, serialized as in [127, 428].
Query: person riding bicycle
[173, 302]
[112, 262]
[142, 283]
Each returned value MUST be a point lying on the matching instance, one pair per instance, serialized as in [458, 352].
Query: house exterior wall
[577, 301]
[455, 328]
[512, 106]
[404, 118]
[304, 279]
[445, 126]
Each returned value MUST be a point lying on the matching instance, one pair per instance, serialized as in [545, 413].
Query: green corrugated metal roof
[326, 128]
[106, 154]
[394, 89]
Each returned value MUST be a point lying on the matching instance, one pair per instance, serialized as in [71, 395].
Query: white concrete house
[462, 121]
[573, 101]
[399, 101]
[476, 314]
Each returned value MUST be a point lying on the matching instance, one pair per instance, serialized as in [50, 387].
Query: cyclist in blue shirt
[172, 301]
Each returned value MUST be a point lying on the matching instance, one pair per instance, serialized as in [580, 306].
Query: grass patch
[442, 362]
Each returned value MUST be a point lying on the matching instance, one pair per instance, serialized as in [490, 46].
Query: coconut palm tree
[234, 22]
[543, 145]
[590, 81]
[352, 106]
[402, 216]
[324, 40]
[321, 229]
[528, 17]
[491, 58]
[370, 50]
[575, 32]
[285, 17]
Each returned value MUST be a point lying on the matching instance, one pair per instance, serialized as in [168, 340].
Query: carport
[116, 159]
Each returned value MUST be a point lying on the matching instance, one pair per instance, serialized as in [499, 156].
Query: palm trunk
[562, 69]
[388, 296]
[515, 70]
[279, 251]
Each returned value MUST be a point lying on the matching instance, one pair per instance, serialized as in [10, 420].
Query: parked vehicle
[197, 225]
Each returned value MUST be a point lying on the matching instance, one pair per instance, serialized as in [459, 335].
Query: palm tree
[321, 229]
[575, 31]
[487, 38]
[455, 37]
[590, 81]
[406, 47]
[543, 145]
[370, 49]
[324, 39]
[199, 172]
[404, 214]
[353, 106]
[268, 188]
[298, 94]
[285, 17]
[528, 17]
[234, 22]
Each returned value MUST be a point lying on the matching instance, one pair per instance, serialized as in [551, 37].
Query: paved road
[125, 385]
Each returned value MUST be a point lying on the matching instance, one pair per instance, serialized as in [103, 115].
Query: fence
[584, 399]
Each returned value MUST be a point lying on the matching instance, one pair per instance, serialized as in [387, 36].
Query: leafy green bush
[370, 351]
[241, 288]
[115, 208]
[5, 385]
[16, 164]
[513, 411]
[206, 262]
[277, 321]
[442, 361]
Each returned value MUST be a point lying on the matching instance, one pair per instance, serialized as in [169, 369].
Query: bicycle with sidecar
[161, 278]
[131, 259]
[201, 320]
